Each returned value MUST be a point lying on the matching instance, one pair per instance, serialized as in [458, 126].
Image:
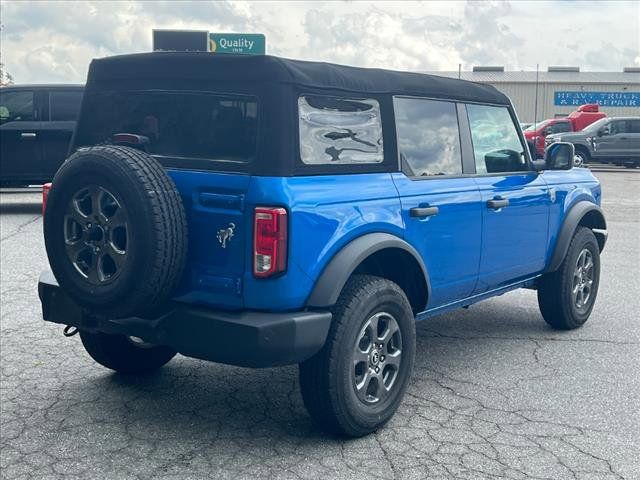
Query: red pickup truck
[585, 115]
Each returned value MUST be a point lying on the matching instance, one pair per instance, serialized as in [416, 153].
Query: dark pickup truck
[36, 125]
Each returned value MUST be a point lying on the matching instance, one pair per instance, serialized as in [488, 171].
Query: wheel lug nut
[377, 370]
[382, 358]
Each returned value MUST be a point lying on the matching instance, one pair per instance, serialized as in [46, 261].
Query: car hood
[566, 136]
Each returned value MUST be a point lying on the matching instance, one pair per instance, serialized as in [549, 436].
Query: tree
[5, 77]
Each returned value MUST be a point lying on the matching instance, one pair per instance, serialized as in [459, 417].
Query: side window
[65, 105]
[17, 106]
[428, 137]
[561, 127]
[336, 131]
[619, 126]
[633, 126]
[496, 145]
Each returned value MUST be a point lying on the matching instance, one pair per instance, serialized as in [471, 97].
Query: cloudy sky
[54, 41]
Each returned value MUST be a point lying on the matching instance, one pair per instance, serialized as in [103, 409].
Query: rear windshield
[178, 124]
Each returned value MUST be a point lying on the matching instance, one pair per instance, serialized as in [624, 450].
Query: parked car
[36, 124]
[259, 211]
[577, 120]
[609, 140]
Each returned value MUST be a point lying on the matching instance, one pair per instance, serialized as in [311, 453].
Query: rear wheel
[566, 296]
[355, 384]
[125, 354]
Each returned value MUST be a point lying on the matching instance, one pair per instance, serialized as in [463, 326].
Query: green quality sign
[237, 43]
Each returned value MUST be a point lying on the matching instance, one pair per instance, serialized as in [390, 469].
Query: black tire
[153, 238]
[327, 380]
[123, 354]
[556, 297]
[584, 156]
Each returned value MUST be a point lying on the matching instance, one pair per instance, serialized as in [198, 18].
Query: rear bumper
[247, 338]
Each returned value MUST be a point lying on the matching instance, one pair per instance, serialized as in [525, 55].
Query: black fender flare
[571, 222]
[327, 288]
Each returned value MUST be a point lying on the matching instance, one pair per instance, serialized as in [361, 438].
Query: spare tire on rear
[115, 231]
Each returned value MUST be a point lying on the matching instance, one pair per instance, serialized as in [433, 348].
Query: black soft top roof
[269, 69]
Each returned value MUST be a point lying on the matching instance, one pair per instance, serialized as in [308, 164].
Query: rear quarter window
[335, 131]
[178, 124]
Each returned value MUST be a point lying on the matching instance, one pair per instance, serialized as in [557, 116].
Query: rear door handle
[28, 135]
[498, 203]
[422, 212]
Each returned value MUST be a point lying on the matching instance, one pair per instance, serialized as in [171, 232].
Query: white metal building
[561, 89]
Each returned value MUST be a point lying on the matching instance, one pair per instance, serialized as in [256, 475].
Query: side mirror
[604, 131]
[539, 165]
[547, 131]
[559, 156]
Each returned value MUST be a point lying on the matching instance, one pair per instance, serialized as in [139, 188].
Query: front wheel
[124, 354]
[580, 158]
[566, 296]
[354, 385]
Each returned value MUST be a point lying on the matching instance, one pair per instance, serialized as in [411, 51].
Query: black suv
[36, 125]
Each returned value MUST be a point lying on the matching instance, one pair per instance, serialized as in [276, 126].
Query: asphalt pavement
[495, 393]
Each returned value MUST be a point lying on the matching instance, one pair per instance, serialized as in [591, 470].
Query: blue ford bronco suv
[258, 211]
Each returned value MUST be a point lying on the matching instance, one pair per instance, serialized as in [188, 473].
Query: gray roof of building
[545, 77]
[44, 85]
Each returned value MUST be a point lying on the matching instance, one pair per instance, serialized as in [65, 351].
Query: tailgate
[219, 229]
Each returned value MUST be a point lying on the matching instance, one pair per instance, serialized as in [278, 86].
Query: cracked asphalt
[495, 393]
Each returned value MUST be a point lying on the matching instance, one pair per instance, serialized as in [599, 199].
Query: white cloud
[54, 41]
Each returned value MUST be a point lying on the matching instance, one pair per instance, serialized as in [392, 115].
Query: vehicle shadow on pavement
[190, 399]
[490, 383]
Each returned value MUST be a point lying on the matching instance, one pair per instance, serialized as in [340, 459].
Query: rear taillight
[269, 241]
[45, 195]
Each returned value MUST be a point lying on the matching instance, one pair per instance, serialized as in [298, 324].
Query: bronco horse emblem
[225, 234]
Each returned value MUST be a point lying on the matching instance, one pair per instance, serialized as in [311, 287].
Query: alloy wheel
[583, 279]
[377, 358]
[96, 234]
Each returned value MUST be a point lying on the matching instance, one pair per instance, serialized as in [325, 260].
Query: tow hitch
[70, 331]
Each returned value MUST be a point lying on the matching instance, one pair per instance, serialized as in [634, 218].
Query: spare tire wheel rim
[96, 234]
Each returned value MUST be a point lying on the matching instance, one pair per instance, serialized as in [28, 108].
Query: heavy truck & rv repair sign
[604, 99]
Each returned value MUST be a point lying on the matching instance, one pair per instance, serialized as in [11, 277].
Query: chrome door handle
[423, 211]
[28, 135]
